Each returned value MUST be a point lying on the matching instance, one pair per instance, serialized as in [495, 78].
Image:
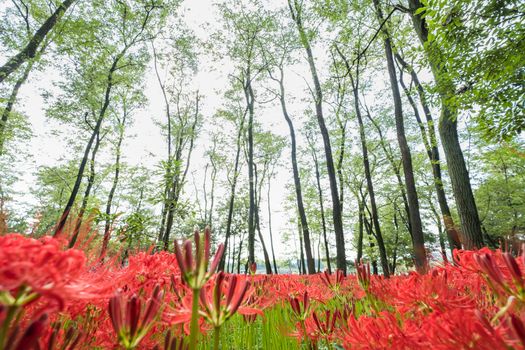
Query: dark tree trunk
[295, 10]
[87, 192]
[360, 230]
[471, 234]
[368, 175]
[248, 91]
[431, 147]
[297, 180]
[107, 226]
[232, 190]
[321, 205]
[267, 263]
[270, 228]
[30, 50]
[418, 241]
[302, 264]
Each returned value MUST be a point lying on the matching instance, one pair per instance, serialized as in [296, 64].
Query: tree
[296, 13]
[418, 241]
[470, 235]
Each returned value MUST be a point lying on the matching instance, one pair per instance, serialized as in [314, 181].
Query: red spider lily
[363, 274]
[503, 283]
[130, 320]
[194, 268]
[219, 307]
[300, 312]
[319, 328]
[33, 268]
[336, 284]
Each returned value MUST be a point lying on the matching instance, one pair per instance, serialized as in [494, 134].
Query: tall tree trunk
[107, 226]
[87, 192]
[360, 230]
[418, 241]
[470, 235]
[297, 180]
[321, 206]
[30, 50]
[10, 103]
[248, 91]
[270, 227]
[233, 187]
[366, 164]
[168, 175]
[295, 10]
[96, 130]
[267, 263]
[302, 264]
[431, 147]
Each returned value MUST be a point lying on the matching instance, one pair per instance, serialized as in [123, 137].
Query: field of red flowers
[52, 297]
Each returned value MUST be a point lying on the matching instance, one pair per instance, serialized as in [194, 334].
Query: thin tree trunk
[107, 226]
[368, 174]
[232, 189]
[30, 50]
[418, 241]
[321, 206]
[248, 91]
[87, 192]
[302, 264]
[297, 180]
[295, 11]
[360, 232]
[431, 147]
[258, 191]
[471, 235]
[270, 228]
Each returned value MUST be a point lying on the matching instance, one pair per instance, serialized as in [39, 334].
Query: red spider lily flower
[32, 268]
[336, 284]
[503, 283]
[300, 312]
[363, 274]
[126, 317]
[323, 328]
[220, 306]
[194, 268]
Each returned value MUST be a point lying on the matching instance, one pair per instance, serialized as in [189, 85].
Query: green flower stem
[194, 325]
[216, 338]
[11, 313]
